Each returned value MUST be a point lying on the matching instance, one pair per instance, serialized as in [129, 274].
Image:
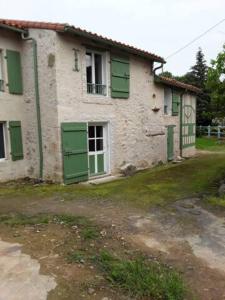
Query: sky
[158, 26]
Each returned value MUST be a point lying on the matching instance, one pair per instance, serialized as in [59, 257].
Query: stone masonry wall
[18, 108]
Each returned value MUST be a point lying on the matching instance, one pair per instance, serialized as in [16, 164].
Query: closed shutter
[75, 152]
[14, 70]
[120, 77]
[16, 140]
[175, 103]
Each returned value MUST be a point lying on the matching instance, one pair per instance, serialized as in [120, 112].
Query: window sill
[97, 99]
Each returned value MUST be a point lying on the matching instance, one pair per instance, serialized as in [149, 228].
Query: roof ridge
[177, 83]
[25, 24]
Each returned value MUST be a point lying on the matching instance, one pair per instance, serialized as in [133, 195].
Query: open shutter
[16, 140]
[120, 77]
[75, 152]
[14, 70]
[175, 103]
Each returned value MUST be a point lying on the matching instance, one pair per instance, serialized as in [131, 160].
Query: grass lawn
[157, 186]
[210, 144]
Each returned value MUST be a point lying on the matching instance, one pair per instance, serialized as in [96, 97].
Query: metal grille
[96, 89]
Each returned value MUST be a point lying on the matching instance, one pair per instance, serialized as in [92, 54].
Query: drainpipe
[157, 68]
[37, 100]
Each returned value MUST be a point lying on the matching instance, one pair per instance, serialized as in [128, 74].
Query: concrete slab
[20, 276]
[104, 179]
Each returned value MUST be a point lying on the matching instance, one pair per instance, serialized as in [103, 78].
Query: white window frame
[105, 150]
[4, 140]
[2, 70]
[167, 101]
[104, 77]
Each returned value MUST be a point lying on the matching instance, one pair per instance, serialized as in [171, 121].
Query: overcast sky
[159, 26]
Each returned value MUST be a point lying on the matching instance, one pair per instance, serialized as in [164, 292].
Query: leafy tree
[216, 84]
[167, 74]
[198, 76]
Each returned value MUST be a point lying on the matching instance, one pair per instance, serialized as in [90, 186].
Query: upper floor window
[167, 101]
[171, 102]
[1, 72]
[95, 73]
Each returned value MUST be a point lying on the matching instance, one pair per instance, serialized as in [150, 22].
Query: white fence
[217, 131]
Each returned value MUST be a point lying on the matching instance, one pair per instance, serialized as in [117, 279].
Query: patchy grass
[19, 219]
[218, 202]
[87, 229]
[157, 186]
[210, 144]
[76, 257]
[84, 264]
[142, 279]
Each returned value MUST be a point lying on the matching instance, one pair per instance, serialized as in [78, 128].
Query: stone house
[75, 105]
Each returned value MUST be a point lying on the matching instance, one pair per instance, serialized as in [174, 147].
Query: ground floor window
[97, 151]
[2, 141]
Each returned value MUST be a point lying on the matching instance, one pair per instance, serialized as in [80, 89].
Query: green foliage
[198, 76]
[216, 84]
[90, 233]
[217, 201]
[17, 220]
[141, 278]
[75, 257]
[167, 74]
[210, 144]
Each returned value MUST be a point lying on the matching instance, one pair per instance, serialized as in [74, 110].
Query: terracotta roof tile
[178, 84]
[21, 24]
[29, 24]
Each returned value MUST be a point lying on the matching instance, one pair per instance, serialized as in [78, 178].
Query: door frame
[167, 156]
[106, 145]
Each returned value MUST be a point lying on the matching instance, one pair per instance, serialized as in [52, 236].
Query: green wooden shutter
[175, 103]
[75, 152]
[14, 70]
[120, 77]
[16, 140]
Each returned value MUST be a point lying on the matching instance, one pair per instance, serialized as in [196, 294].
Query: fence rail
[217, 131]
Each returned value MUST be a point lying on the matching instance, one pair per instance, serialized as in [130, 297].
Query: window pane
[99, 131]
[91, 131]
[98, 69]
[89, 67]
[91, 145]
[2, 146]
[99, 144]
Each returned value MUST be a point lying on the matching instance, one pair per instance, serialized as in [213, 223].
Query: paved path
[20, 278]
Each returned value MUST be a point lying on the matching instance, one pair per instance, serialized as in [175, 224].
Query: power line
[195, 39]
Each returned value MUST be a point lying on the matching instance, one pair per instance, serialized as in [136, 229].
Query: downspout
[37, 100]
[157, 68]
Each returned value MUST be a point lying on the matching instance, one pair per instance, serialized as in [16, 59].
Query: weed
[143, 279]
[89, 233]
[75, 256]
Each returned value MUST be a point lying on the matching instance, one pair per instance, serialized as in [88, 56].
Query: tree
[167, 74]
[198, 76]
[216, 84]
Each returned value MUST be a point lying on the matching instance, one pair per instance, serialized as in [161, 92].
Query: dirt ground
[183, 235]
